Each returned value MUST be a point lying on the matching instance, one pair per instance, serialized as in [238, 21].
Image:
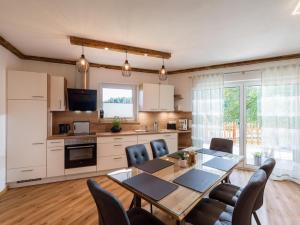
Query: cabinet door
[150, 97]
[55, 158]
[57, 93]
[26, 85]
[26, 133]
[166, 97]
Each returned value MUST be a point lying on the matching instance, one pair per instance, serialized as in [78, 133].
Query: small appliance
[171, 125]
[81, 127]
[64, 128]
[183, 124]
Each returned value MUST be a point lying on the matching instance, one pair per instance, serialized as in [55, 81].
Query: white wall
[183, 81]
[7, 61]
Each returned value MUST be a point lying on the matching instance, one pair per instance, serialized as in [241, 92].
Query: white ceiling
[196, 32]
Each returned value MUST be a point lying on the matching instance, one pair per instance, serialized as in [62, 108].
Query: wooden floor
[70, 202]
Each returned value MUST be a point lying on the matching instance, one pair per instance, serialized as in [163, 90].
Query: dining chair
[229, 194]
[221, 144]
[159, 148]
[110, 210]
[212, 212]
[136, 155]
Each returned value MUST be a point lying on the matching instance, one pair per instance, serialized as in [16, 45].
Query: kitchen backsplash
[144, 119]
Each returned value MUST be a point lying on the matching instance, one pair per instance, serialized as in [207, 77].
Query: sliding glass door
[242, 118]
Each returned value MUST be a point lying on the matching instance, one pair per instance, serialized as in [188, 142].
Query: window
[118, 100]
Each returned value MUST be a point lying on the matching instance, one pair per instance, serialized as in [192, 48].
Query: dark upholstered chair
[229, 193]
[136, 155]
[213, 212]
[111, 212]
[221, 144]
[159, 148]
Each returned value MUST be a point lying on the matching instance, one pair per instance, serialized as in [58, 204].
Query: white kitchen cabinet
[156, 97]
[26, 85]
[28, 173]
[166, 97]
[149, 97]
[172, 141]
[55, 158]
[57, 93]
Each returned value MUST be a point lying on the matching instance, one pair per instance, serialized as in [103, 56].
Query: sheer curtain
[208, 108]
[280, 110]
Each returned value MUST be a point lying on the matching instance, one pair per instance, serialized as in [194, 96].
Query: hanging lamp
[82, 65]
[163, 72]
[126, 68]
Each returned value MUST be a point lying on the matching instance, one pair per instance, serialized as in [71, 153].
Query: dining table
[183, 199]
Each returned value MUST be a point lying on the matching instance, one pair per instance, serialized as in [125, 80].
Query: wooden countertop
[110, 134]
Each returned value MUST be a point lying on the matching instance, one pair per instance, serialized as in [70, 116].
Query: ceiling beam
[118, 47]
[235, 64]
[11, 48]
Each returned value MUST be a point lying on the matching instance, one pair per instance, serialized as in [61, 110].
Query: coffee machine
[183, 124]
[64, 128]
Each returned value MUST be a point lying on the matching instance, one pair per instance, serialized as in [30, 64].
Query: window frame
[132, 87]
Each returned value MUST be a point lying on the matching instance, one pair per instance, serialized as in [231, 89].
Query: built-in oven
[80, 152]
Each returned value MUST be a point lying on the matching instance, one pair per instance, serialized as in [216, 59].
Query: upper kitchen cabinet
[166, 97]
[156, 97]
[57, 93]
[26, 85]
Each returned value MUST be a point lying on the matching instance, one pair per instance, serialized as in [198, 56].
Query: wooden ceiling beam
[235, 64]
[11, 48]
[118, 47]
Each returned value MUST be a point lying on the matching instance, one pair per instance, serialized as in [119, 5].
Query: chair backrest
[159, 148]
[244, 207]
[110, 211]
[221, 144]
[136, 154]
[268, 167]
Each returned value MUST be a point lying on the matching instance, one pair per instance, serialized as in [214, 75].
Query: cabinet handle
[55, 150]
[118, 138]
[55, 142]
[60, 104]
[117, 157]
[38, 96]
[117, 145]
[27, 170]
[38, 143]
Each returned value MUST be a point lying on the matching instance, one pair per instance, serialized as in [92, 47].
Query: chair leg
[256, 218]
[131, 204]
[151, 209]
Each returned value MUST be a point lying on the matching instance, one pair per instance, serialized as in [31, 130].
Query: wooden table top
[180, 202]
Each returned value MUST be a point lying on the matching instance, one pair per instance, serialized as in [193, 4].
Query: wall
[183, 82]
[7, 61]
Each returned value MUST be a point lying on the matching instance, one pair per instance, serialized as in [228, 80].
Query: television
[82, 99]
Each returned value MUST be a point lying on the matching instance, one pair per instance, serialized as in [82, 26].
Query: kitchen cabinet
[26, 85]
[26, 125]
[55, 158]
[156, 97]
[57, 93]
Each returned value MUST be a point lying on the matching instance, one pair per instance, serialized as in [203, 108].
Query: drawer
[55, 143]
[129, 138]
[27, 173]
[169, 136]
[55, 161]
[112, 162]
[147, 138]
[112, 149]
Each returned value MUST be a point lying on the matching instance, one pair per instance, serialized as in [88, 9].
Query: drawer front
[112, 162]
[169, 136]
[55, 143]
[112, 149]
[142, 139]
[27, 173]
[129, 138]
[55, 161]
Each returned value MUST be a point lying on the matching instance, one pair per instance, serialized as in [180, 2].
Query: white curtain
[280, 110]
[208, 108]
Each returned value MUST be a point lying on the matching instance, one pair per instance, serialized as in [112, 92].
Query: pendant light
[163, 72]
[126, 68]
[82, 65]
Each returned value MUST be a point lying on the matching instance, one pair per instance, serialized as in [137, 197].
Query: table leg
[137, 201]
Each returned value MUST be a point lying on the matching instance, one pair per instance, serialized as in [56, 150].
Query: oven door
[80, 155]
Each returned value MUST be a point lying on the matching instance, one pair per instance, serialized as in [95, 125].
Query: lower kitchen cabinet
[112, 162]
[26, 173]
[55, 158]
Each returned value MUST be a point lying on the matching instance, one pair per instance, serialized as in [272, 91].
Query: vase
[183, 163]
[257, 160]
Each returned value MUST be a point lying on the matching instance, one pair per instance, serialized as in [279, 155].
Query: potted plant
[116, 125]
[182, 162]
[257, 158]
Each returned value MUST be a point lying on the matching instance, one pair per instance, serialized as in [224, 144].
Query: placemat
[206, 151]
[221, 154]
[220, 163]
[197, 180]
[154, 165]
[151, 186]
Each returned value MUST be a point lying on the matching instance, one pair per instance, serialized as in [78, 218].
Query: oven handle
[86, 146]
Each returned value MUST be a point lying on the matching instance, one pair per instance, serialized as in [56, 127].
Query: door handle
[27, 170]
[38, 143]
[117, 145]
[60, 104]
[117, 157]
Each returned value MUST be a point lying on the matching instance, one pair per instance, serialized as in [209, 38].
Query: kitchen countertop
[110, 134]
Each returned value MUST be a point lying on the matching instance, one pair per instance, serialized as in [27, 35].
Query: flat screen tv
[82, 99]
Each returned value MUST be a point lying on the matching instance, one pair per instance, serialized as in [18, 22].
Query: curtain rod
[241, 71]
